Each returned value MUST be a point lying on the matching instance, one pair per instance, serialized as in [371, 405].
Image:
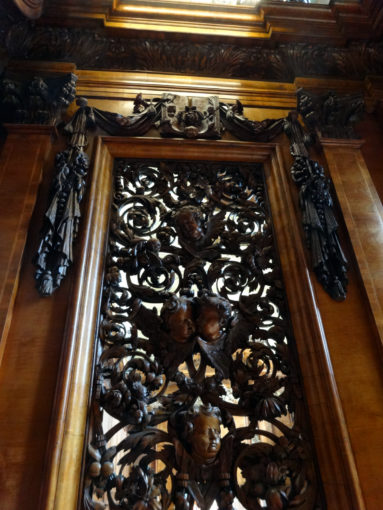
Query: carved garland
[189, 118]
[319, 223]
[197, 397]
[173, 118]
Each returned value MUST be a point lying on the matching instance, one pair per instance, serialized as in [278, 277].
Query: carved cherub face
[213, 315]
[188, 224]
[178, 319]
[208, 323]
[205, 438]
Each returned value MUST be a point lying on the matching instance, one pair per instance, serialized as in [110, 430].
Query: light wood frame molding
[63, 473]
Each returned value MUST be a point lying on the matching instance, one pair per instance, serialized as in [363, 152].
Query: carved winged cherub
[202, 459]
[193, 237]
[213, 317]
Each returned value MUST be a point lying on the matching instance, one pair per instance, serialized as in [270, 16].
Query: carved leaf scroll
[196, 401]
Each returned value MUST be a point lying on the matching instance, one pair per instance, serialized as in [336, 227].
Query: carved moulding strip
[61, 482]
[194, 310]
[319, 224]
[91, 49]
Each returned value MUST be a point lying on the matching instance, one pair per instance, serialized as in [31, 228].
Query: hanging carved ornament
[318, 219]
[61, 221]
[36, 101]
[196, 399]
[332, 116]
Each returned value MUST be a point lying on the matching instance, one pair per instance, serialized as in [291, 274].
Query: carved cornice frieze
[37, 100]
[92, 49]
[330, 115]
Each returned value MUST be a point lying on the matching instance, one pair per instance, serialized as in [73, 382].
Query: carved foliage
[319, 223]
[36, 101]
[94, 49]
[331, 115]
[195, 363]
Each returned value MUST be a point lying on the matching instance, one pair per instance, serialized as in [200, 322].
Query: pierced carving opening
[197, 402]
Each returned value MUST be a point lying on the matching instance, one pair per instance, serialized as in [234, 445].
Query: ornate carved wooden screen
[197, 402]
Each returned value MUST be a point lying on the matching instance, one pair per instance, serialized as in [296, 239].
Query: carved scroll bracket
[318, 220]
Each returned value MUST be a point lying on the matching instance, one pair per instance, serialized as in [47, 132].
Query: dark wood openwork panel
[197, 401]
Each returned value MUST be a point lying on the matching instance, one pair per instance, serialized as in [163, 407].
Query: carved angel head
[177, 316]
[188, 222]
[204, 435]
[212, 317]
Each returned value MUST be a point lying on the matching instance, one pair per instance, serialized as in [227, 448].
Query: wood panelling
[363, 215]
[30, 364]
[63, 473]
[21, 164]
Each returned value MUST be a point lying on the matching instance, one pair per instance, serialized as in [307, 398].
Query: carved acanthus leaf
[91, 49]
[37, 100]
[332, 116]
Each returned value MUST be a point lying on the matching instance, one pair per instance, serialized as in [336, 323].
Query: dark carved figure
[177, 315]
[205, 435]
[319, 223]
[196, 236]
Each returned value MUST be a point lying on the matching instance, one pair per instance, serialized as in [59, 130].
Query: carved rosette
[196, 397]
